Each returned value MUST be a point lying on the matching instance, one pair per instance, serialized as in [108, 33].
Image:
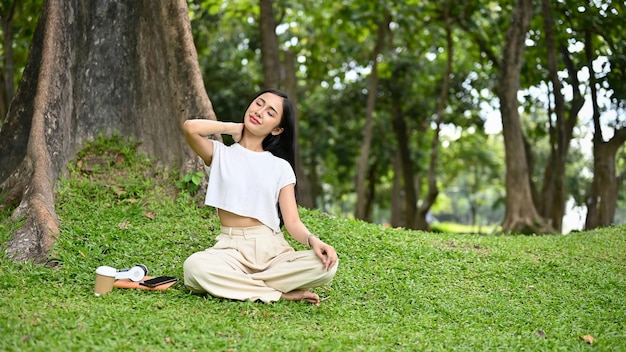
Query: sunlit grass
[396, 290]
[450, 227]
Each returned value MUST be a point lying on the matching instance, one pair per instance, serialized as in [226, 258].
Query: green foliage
[227, 41]
[333, 43]
[396, 290]
[474, 164]
[19, 20]
[23, 22]
[190, 182]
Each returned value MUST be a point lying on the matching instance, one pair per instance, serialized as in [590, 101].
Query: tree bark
[363, 161]
[305, 196]
[371, 190]
[269, 46]
[521, 215]
[406, 166]
[398, 215]
[96, 68]
[420, 221]
[553, 194]
[602, 199]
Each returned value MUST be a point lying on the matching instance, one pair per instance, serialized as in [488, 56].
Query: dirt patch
[466, 246]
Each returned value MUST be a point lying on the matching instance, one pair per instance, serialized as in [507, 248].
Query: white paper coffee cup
[105, 277]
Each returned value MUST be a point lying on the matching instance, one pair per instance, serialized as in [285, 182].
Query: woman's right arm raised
[197, 130]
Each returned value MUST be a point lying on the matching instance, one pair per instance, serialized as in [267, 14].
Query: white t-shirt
[247, 183]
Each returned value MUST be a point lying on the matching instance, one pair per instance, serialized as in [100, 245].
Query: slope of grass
[396, 290]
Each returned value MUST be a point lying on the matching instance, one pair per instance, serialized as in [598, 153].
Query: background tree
[603, 195]
[282, 75]
[109, 67]
[324, 50]
[362, 201]
[552, 202]
[521, 215]
[273, 72]
[332, 58]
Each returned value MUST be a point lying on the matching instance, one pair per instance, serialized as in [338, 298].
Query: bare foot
[302, 295]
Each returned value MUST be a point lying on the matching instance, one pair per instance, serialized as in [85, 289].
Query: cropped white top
[247, 183]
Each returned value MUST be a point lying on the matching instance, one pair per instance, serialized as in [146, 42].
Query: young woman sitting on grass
[251, 259]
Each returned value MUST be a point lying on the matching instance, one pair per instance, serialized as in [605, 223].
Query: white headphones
[136, 273]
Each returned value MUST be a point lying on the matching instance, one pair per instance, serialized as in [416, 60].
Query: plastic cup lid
[106, 271]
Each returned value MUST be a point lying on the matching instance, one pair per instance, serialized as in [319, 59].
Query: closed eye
[271, 111]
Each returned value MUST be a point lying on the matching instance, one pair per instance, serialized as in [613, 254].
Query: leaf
[117, 190]
[587, 338]
[214, 9]
[150, 215]
[83, 166]
[197, 177]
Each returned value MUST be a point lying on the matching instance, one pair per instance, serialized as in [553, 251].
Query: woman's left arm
[297, 230]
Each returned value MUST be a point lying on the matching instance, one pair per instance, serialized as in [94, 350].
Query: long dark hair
[283, 145]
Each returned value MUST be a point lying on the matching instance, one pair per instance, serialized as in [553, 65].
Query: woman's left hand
[325, 252]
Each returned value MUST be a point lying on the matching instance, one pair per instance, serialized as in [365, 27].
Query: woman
[251, 259]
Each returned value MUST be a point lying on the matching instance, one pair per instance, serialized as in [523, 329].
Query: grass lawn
[396, 290]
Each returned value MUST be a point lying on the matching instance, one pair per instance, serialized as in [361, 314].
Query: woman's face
[264, 115]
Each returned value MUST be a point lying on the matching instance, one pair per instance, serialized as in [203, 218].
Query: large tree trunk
[552, 203]
[96, 67]
[521, 215]
[361, 211]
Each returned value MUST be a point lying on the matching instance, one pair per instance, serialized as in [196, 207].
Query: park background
[400, 106]
[492, 116]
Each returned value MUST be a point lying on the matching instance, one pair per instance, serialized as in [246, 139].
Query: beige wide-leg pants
[253, 263]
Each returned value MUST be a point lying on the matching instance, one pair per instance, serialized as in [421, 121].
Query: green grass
[396, 290]
[463, 229]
